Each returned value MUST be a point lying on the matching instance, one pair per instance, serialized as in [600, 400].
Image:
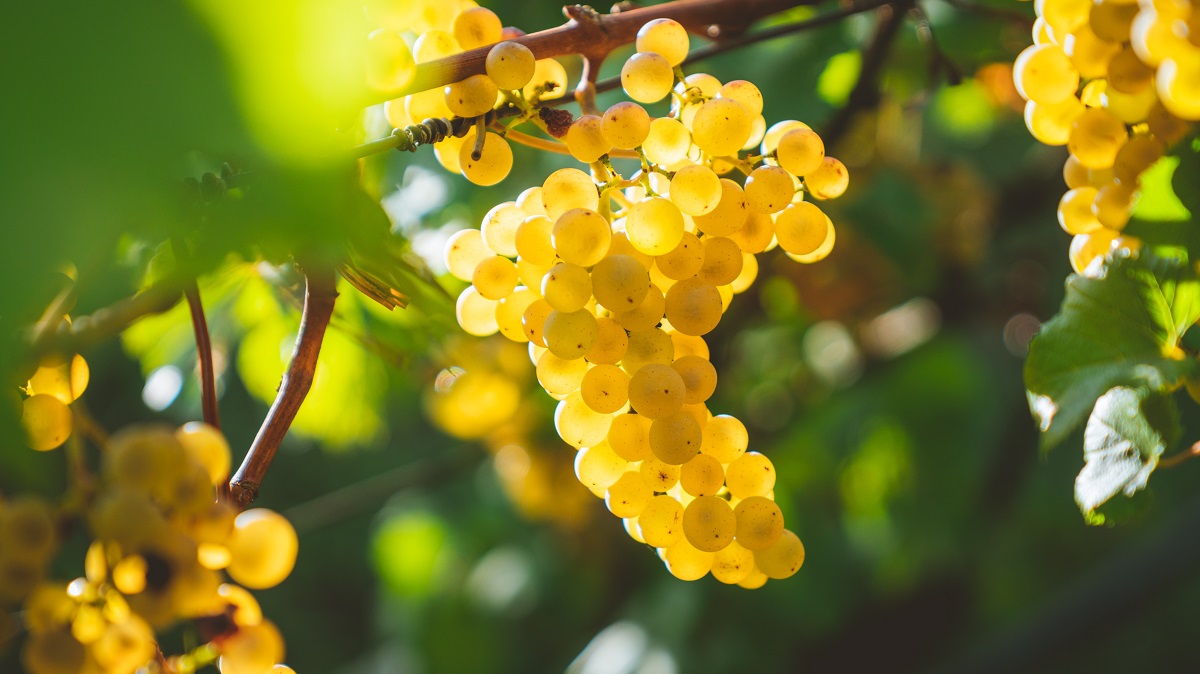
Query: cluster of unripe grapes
[1118, 83]
[164, 549]
[613, 282]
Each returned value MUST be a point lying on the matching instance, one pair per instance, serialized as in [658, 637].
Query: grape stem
[865, 94]
[98, 326]
[208, 384]
[1180, 457]
[319, 295]
[555, 146]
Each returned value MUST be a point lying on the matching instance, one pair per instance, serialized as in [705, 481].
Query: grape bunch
[1118, 83]
[45, 410]
[163, 550]
[613, 281]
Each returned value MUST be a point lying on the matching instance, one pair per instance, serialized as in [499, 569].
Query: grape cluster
[161, 544]
[614, 281]
[1118, 83]
[45, 411]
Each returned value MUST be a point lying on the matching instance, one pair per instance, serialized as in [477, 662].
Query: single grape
[693, 307]
[620, 282]
[699, 378]
[709, 523]
[560, 376]
[567, 287]
[47, 422]
[725, 438]
[476, 314]
[656, 391]
[610, 344]
[263, 549]
[495, 277]
[829, 180]
[730, 214]
[759, 522]
[665, 37]
[629, 435]
[722, 261]
[510, 65]
[569, 334]
[702, 475]
[471, 97]
[696, 190]
[605, 389]
[494, 163]
[566, 189]
[751, 474]
[629, 495]
[661, 521]
[647, 77]
[781, 559]
[675, 439]
[477, 27]
[585, 139]
[581, 236]
[626, 125]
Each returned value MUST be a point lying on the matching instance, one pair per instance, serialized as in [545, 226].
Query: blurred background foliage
[441, 527]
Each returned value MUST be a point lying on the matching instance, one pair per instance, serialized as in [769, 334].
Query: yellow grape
[800, 151]
[745, 93]
[567, 287]
[748, 275]
[693, 307]
[585, 139]
[620, 246]
[1114, 205]
[695, 189]
[1045, 74]
[533, 321]
[684, 261]
[611, 342]
[1127, 73]
[709, 523]
[1166, 126]
[581, 236]
[733, 564]
[667, 142]
[665, 37]
[730, 214]
[46, 420]
[477, 27]
[661, 521]
[532, 240]
[494, 163]
[1075, 214]
[801, 228]
[495, 277]
[654, 226]
[647, 77]
[510, 313]
[660, 476]
[465, 249]
[759, 522]
[702, 475]
[597, 467]
[605, 389]
[471, 97]
[389, 62]
[629, 495]
[685, 562]
[510, 65]
[699, 378]
[1130, 108]
[432, 45]
[1089, 53]
[569, 334]
[246, 610]
[646, 347]
[252, 649]
[755, 234]
[1134, 157]
[499, 228]
[476, 314]
[568, 188]
[1051, 124]
[1063, 16]
[629, 435]
[656, 391]
[1096, 137]
[769, 189]
[550, 77]
[751, 474]
[125, 645]
[1111, 20]
[560, 376]
[721, 127]
[725, 439]
[447, 151]
[62, 379]
[626, 125]
[675, 439]
[646, 315]
[620, 282]
[53, 652]
[263, 549]
[829, 180]
[722, 261]
[1178, 83]
[781, 559]
[577, 424]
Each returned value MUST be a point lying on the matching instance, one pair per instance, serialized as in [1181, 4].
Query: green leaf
[1187, 177]
[839, 76]
[1128, 431]
[1120, 329]
[1158, 199]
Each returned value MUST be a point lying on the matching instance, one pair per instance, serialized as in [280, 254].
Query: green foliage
[1120, 329]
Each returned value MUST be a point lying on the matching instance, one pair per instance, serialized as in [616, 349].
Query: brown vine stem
[1179, 457]
[208, 382]
[319, 295]
[865, 94]
[595, 38]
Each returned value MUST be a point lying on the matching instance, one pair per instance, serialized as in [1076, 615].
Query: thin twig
[319, 296]
[557, 147]
[865, 94]
[1179, 457]
[991, 12]
[343, 502]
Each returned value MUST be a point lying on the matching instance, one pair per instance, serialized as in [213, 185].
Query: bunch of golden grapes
[162, 548]
[613, 282]
[1118, 83]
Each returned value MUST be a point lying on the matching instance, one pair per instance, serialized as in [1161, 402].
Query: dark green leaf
[1127, 433]
[1120, 329]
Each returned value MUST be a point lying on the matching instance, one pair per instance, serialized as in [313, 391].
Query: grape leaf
[1128, 431]
[1121, 328]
